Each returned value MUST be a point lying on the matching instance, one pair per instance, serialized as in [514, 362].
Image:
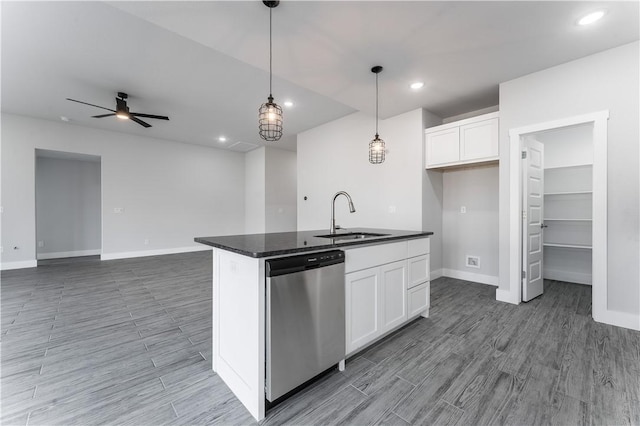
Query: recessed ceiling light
[288, 104]
[417, 85]
[222, 139]
[591, 17]
[63, 118]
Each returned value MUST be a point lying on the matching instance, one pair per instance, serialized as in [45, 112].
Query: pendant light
[376, 146]
[270, 113]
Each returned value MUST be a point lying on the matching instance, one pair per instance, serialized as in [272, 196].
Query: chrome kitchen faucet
[352, 209]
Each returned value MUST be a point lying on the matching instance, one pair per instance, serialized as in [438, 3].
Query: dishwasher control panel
[291, 264]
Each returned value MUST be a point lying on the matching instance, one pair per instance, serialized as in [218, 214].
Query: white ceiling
[205, 63]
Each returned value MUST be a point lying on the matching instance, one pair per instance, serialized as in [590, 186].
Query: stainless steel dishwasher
[305, 319]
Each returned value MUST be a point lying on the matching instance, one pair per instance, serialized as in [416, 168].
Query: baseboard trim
[568, 276]
[157, 252]
[60, 254]
[6, 266]
[470, 276]
[619, 319]
[507, 296]
[434, 275]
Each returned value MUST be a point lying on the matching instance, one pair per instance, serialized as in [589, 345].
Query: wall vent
[472, 261]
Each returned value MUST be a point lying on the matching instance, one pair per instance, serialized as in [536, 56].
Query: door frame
[599, 120]
[69, 155]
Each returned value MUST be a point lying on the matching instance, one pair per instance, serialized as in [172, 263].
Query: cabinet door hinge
[524, 275]
[524, 214]
[524, 154]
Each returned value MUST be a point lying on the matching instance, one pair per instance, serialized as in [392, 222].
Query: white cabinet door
[479, 140]
[394, 294]
[419, 299]
[362, 307]
[443, 147]
[418, 270]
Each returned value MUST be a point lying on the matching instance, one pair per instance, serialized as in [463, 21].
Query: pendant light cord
[376, 105]
[270, 53]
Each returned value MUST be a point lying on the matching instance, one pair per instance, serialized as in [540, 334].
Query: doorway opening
[557, 206]
[575, 182]
[68, 206]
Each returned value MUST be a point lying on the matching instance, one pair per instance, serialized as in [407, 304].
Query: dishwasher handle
[293, 264]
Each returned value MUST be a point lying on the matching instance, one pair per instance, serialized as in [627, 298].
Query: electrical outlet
[472, 261]
[146, 241]
[40, 244]
[392, 209]
[463, 209]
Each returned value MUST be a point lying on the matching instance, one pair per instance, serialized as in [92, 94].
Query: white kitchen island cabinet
[464, 142]
[386, 267]
[386, 285]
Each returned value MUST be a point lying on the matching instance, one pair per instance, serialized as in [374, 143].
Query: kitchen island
[386, 285]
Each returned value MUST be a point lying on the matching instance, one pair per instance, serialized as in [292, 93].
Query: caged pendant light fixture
[270, 113]
[376, 146]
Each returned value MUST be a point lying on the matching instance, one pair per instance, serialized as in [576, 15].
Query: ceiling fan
[122, 111]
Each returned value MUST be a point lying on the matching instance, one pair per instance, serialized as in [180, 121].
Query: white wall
[567, 146]
[280, 193]
[432, 201]
[392, 195]
[474, 233]
[270, 190]
[605, 81]
[171, 192]
[254, 191]
[68, 207]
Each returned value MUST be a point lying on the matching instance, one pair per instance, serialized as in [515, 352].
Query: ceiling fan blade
[157, 117]
[140, 122]
[102, 116]
[86, 103]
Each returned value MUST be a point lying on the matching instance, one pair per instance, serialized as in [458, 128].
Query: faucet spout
[352, 209]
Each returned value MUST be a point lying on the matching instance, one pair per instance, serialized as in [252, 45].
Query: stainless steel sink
[352, 235]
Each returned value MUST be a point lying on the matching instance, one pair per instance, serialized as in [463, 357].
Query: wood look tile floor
[128, 342]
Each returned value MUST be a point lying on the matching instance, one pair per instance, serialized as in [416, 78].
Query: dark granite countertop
[274, 244]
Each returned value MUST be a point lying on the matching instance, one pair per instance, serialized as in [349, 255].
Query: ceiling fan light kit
[122, 111]
[270, 113]
[376, 146]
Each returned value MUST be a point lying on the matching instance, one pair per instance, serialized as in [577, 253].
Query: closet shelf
[550, 219]
[568, 193]
[574, 246]
[569, 167]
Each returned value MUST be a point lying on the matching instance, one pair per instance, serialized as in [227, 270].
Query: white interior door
[533, 225]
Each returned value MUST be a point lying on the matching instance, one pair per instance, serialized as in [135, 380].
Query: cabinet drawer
[418, 270]
[418, 247]
[418, 299]
[367, 257]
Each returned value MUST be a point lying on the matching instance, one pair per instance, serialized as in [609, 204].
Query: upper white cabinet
[443, 146]
[473, 140]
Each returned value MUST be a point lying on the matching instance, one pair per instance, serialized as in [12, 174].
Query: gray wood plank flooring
[128, 342]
